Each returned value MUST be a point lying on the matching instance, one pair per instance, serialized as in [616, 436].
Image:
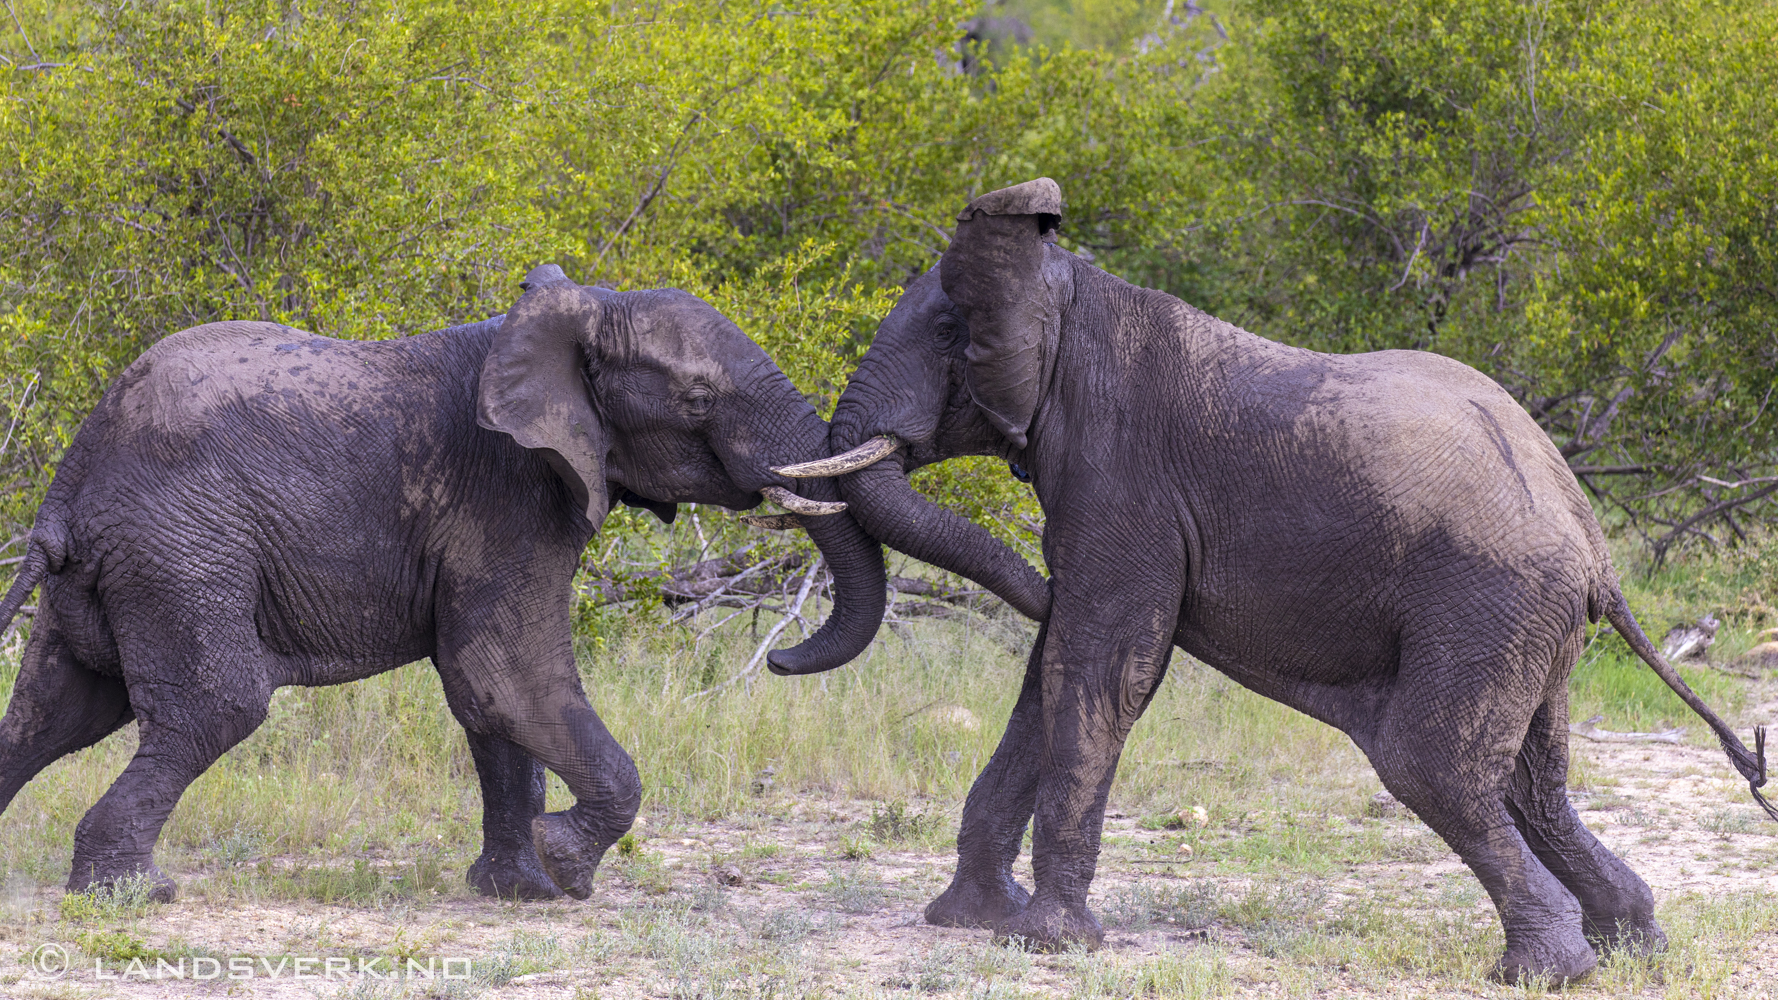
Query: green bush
[1576, 198]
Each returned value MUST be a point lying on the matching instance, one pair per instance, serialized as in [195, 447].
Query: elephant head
[653, 398]
[959, 368]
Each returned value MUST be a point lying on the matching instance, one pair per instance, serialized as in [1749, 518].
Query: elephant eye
[699, 398]
[951, 334]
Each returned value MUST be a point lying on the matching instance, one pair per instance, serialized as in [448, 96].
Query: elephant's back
[210, 381]
[1440, 436]
[1383, 489]
[221, 426]
[189, 380]
[314, 484]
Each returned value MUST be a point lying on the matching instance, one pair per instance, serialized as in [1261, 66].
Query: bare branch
[1690, 524]
[19, 25]
[765, 645]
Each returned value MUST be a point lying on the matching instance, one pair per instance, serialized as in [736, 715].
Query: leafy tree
[1574, 198]
[1577, 198]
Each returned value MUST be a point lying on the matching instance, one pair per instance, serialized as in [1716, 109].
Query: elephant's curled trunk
[881, 500]
[859, 590]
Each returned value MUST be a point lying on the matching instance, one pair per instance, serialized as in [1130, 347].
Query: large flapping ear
[534, 385]
[994, 270]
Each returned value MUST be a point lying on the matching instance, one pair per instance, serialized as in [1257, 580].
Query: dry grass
[791, 832]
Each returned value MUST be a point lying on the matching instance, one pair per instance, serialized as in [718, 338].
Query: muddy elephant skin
[1385, 542]
[251, 506]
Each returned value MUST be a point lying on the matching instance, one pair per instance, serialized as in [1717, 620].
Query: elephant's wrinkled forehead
[678, 331]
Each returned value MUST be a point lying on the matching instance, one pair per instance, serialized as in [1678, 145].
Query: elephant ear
[534, 388]
[995, 271]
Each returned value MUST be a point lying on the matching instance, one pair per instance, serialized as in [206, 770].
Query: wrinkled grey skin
[251, 506]
[1385, 542]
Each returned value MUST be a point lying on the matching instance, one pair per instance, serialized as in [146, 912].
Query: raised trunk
[860, 590]
[881, 500]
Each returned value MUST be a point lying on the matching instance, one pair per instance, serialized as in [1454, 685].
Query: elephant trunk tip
[795, 662]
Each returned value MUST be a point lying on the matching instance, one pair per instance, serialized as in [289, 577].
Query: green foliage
[126, 898]
[1612, 682]
[1576, 198]
[115, 945]
[896, 823]
[1666, 212]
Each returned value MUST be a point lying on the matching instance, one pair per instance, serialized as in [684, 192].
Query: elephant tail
[1751, 764]
[45, 552]
[31, 573]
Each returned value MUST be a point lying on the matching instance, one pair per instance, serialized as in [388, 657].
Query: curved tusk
[776, 522]
[799, 505]
[868, 453]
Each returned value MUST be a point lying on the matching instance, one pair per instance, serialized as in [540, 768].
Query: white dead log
[1687, 641]
[1590, 730]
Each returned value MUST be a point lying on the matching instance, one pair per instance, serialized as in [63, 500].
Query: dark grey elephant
[251, 506]
[1386, 542]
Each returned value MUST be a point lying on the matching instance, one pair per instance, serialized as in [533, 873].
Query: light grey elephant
[1385, 542]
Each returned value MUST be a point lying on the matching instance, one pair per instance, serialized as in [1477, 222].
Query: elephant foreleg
[512, 796]
[984, 893]
[522, 686]
[1106, 650]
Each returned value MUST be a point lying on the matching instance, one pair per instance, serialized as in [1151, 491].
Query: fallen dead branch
[1590, 730]
[744, 581]
[765, 645]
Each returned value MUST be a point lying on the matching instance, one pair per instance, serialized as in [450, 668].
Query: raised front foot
[1047, 925]
[970, 904]
[159, 886]
[1556, 958]
[505, 877]
[569, 857]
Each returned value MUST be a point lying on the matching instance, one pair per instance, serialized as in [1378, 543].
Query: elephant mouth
[664, 509]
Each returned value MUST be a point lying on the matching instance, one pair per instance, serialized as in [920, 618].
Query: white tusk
[800, 505]
[776, 522]
[868, 453]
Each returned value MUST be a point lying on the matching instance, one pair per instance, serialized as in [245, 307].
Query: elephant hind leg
[58, 707]
[194, 700]
[1617, 906]
[1447, 751]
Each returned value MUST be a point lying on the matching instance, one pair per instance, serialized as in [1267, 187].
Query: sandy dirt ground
[773, 906]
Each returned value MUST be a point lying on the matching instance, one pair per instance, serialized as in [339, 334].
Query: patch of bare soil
[774, 906]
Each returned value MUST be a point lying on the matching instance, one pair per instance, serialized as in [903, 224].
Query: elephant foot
[1556, 959]
[970, 904]
[1049, 926]
[504, 877]
[1638, 937]
[154, 885]
[569, 857]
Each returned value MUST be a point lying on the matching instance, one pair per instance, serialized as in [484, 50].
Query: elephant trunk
[881, 500]
[860, 590]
